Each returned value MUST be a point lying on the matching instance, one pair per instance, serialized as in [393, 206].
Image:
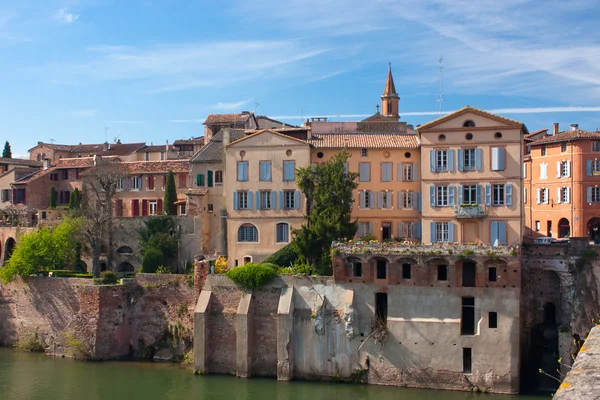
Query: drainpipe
[571, 192]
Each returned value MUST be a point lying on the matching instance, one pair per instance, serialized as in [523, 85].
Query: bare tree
[100, 185]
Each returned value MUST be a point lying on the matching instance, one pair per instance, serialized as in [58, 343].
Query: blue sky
[152, 70]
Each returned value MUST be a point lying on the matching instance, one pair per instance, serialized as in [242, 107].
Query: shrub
[220, 265]
[153, 258]
[368, 237]
[285, 271]
[251, 275]
[162, 270]
[106, 278]
[63, 273]
[286, 256]
[303, 269]
[274, 266]
[32, 342]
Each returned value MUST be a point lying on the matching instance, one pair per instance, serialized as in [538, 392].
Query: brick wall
[222, 329]
[263, 347]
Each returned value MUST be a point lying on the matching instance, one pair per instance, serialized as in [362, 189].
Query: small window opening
[492, 274]
[381, 269]
[498, 135]
[493, 320]
[467, 360]
[381, 307]
[467, 322]
[442, 272]
[357, 269]
[363, 152]
[237, 263]
[247, 260]
[406, 270]
[550, 313]
[469, 124]
[441, 138]
[468, 274]
[469, 136]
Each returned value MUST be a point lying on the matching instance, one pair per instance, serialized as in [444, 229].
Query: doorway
[381, 307]
[549, 228]
[386, 231]
[564, 229]
[468, 274]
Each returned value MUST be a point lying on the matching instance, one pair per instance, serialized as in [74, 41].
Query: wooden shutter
[144, 207]
[450, 160]
[159, 207]
[508, 192]
[209, 178]
[151, 182]
[460, 160]
[478, 159]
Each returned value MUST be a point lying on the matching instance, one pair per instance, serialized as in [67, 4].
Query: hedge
[65, 273]
[251, 275]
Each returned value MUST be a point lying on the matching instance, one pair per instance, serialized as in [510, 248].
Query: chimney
[555, 131]
[225, 137]
[574, 127]
[167, 150]
[97, 159]
[106, 146]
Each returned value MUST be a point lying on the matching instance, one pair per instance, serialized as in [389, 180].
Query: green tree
[75, 200]
[6, 153]
[159, 237]
[52, 197]
[43, 249]
[328, 189]
[170, 195]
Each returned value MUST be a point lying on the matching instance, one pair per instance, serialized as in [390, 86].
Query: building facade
[562, 173]
[471, 169]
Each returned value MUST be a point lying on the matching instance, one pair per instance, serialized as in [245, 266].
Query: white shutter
[568, 197]
[558, 195]
[568, 169]
[546, 195]
[543, 172]
[524, 170]
[558, 169]
[539, 195]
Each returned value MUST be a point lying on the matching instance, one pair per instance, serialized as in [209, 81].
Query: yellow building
[471, 175]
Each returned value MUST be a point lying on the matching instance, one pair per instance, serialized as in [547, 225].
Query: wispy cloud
[231, 106]
[63, 15]
[82, 113]
[127, 122]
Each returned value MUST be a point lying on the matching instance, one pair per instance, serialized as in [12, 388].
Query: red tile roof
[365, 140]
[465, 110]
[225, 118]
[577, 134]
[196, 192]
[198, 140]
[20, 161]
[140, 167]
[116, 149]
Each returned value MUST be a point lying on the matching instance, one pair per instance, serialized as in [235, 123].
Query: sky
[87, 71]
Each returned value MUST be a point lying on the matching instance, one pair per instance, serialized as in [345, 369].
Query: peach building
[562, 174]
[471, 177]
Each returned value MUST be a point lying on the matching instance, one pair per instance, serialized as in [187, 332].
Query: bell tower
[389, 98]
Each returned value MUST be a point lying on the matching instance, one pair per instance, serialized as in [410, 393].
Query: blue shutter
[501, 158]
[415, 172]
[297, 199]
[588, 194]
[450, 160]
[288, 170]
[399, 199]
[488, 195]
[268, 170]
[509, 194]
[432, 232]
[417, 200]
[379, 200]
[372, 205]
[399, 172]
[460, 195]
[478, 159]
[250, 200]
[274, 200]
[282, 200]
[432, 160]
[502, 232]
[400, 230]
[139, 182]
[240, 171]
[493, 232]
[450, 232]
[362, 197]
[258, 205]
[588, 167]
[417, 230]
[451, 195]
[432, 195]
[235, 200]
[478, 194]
[460, 160]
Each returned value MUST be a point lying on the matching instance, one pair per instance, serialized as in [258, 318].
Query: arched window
[468, 124]
[124, 250]
[247, 233]
[282, 231]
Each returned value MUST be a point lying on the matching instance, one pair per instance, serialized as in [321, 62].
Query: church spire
[389, 98]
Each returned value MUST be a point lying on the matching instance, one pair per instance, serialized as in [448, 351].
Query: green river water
[27, 376]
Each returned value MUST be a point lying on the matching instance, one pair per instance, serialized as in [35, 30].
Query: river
[29, 376]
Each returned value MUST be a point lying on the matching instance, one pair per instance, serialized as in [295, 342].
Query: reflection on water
[39, 377]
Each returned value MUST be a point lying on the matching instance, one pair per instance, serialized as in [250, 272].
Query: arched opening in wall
[125, 267]
[564, 228]
[355, 266]
[9, 247]
[549, 313]
[81, 266]
[593, 228]
[469, 273]
[102, 266]
[381, 268]
[124, 250]
[246, 260]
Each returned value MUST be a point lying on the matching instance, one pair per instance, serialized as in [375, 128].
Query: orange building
[561, 178]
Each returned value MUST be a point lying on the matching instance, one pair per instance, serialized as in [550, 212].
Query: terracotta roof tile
[116, 149]
[140, 167]
[198, 140]
[196, 192]
[20, 161]
[365, 140]
[577, 134]
[225, 118]
[466, 109]
[156, 148]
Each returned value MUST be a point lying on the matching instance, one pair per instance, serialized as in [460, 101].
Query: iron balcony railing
[469, 211]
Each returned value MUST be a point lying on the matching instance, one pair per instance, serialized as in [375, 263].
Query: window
[242, 171]
[64, 174]
[524, 195]
[357, 269]
[468, 159]
[218, 178]
[320, 154]
[542, 196]
[563, 195]
[364, 228]
[407, 200]
[147, 156]
[363, 153]
[5, 195]
[385, 198]
[406, 270]
[595, 166]
[120, 184]
[543, 171]
[150, 182]
[54, 176]
[467, 323]
[498, 135]
[441, 232]
[563, 169]
[20, 196]
[289, 171]
[498, 159]
[442, 138]
[289, 199]
[210, 175]
[162, 155]
[498, 195]
[469, 195]
[153, 207]
[242, 198]
[409, 229]
[407, 172]
[182, 209]
[386, 171]
[468, 124]
[282, 232]
[493, 320]
[469, 136]
[492, 274]
[596, 146]
[543, 149]
[537, 226]
[265, 200]
[469, 274]
[247, 233]
[441, 195]
[381, 307]
[364, 172]
[209, 208]
[136, 182]
[593, 195]
[64, 197]
[467, 360]
[441, 160]
[381, 269]
[265, 170]
[563, 147]
[182, 181]
[442, 272]
[366, 199]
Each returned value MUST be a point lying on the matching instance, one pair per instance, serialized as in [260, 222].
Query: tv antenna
[440, 98]
[52, 141]
[256, 107]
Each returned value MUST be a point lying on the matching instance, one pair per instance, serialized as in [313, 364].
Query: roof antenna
[256, 107]
[52, 141]
[440, 98]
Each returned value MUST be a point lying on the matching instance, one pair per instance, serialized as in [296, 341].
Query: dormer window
[468, 124]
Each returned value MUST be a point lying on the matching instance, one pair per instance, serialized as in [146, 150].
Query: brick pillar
[200, 274]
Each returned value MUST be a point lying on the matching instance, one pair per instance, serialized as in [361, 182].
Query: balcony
[469, 211]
